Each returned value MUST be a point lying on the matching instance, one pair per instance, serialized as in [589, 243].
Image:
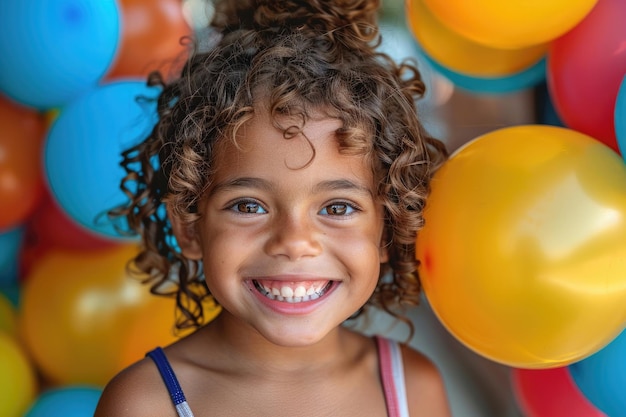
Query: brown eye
[337, 209]
[249, 207]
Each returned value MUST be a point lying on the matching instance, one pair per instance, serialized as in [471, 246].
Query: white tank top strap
[392, 375]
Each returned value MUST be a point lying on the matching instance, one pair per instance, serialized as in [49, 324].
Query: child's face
[290, 250]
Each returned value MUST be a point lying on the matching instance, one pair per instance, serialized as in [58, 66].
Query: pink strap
[392, 376]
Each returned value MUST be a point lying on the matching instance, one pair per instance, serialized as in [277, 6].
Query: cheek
[361, 254]
[220, 254]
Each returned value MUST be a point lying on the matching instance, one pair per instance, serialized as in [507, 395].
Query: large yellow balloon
[79, 309]
[523, 255]
[463, 55]
[17, 378]
[512, 23]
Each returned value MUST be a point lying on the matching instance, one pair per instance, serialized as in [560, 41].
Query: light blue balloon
[620, 118]
[70, 401]
[602, 377]
[528, 78]
[83, 149]
[10, 243]
[52, 51]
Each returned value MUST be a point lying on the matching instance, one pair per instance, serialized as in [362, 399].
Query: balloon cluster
[72, 96]
[523, 253]
[490, 46]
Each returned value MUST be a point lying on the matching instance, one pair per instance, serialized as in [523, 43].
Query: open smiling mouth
[292, 291]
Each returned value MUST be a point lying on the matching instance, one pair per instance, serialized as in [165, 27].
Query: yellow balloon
[464, 55]
[78, 309]
[510, 24]
[18, 385]
[523, 254]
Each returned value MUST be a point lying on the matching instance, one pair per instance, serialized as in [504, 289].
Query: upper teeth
[290, 294]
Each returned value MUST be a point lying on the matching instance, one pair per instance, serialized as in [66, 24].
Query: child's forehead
[298, 131]
[291, 140]
[289, 127]
[290, 120]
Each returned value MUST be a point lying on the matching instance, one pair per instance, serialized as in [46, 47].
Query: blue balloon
[83, 149]
[10, 243]
[620, 118]
[522, 80]
[602, 377]
[52, 51]
[70, 401]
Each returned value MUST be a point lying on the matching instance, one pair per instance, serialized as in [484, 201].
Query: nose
[294, 237]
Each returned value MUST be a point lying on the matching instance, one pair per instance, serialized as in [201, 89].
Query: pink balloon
[585, 69]
[550, 393]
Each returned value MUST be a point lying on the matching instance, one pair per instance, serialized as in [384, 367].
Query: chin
[294, 338]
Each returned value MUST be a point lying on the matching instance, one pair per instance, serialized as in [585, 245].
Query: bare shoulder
[136, 391]
[425, 387]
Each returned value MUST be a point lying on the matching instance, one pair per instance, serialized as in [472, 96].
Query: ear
[383, 253]
[186, 237]
[383, 248]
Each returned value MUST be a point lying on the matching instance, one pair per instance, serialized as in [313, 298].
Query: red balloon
[30, 251]
[51, 226]
[585, 69]
[550, 393]
[150, 39]
[21, 182]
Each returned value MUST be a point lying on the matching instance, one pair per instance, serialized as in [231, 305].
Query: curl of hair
[295, 57]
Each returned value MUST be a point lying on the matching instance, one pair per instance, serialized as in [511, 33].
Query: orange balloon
[78, 312]
[463, 55]
[512, 23]
[21, 181]
[151, 33]
[523, 253]
[155, 327]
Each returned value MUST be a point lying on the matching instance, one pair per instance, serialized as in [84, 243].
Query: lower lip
[298, 309]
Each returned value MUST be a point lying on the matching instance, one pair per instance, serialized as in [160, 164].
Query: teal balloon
[620, 118]
[602, 377]
[527, 78]
[10, 244]
[70, 401]
[12, 292]
[52, 51]
[82, 151]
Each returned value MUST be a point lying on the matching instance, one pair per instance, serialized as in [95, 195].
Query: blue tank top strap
[171, 382]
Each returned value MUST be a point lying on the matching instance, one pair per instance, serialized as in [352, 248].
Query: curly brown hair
[298, 57]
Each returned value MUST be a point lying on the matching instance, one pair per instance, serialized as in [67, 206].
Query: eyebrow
[259, 183]
[242, 182]
[343, 185]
